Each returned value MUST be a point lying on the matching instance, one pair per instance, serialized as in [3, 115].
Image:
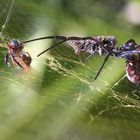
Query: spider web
[64, 101]
[120, 96]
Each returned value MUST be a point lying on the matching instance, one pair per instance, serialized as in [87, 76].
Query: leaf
[59, 98]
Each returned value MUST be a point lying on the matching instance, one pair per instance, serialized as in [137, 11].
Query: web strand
[8, 16]
[3, 36]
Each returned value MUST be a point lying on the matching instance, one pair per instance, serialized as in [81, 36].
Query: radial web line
[3, 36]
[8, 16]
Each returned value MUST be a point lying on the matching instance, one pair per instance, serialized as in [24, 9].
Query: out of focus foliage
[59, 98]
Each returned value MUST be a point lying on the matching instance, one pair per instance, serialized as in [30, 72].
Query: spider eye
[15, 44]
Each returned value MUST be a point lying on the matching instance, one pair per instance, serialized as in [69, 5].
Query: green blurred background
[59, 98]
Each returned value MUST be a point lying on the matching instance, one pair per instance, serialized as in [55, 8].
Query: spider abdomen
[133, 69]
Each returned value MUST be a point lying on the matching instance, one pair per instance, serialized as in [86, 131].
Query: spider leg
[105, 60]
[46, 37]
[64, 39]
[7, 59]
[126, 54]
[52, 47]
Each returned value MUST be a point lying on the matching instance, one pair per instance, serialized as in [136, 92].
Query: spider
[106, 46]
